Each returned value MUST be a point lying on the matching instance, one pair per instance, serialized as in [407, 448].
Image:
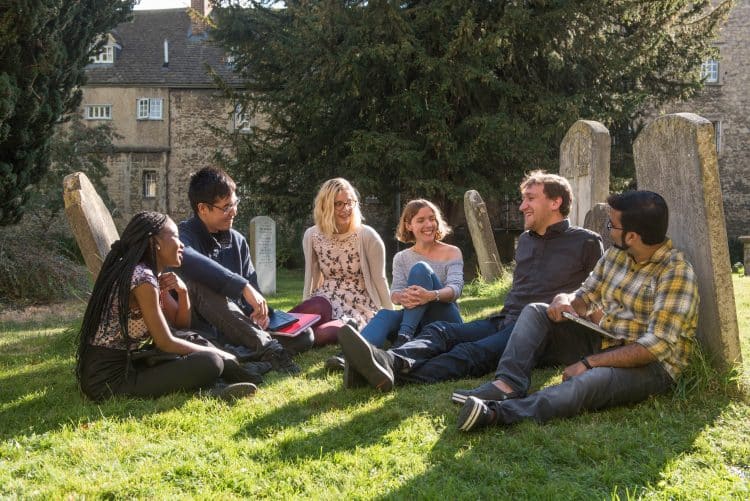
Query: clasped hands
[415, 295]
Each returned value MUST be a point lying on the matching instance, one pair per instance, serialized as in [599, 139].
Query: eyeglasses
[226, 209]
[611, 227]
[349, 203]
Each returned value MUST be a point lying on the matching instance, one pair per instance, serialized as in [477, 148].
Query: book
[278, 319]
[302, 322]
[591, 325]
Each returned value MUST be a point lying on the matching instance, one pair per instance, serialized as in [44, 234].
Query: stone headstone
[482, 236]
[89, 219]
[584, 161]
[675, 156]
[596, 220]
[746, 248]
[262, 240]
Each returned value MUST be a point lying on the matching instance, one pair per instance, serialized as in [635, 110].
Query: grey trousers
[536, 340]
[223, 322]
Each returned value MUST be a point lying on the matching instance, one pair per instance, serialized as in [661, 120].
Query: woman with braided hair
[133, 302]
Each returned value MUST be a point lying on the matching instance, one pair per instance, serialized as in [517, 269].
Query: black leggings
[188, 373]
[103, 374]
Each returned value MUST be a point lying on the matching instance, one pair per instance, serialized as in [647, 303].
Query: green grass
[306, 436]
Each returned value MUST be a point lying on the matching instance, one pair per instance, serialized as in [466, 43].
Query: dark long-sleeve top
[220, 261]
[558, 261]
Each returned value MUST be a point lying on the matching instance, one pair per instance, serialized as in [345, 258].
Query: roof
[140, 61]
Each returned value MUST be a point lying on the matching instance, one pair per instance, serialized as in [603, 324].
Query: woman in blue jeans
[428, 277]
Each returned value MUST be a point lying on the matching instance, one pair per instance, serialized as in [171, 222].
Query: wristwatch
[437, 295]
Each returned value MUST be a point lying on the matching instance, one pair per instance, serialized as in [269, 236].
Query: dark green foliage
[74, 147]
[431, 98]
[39, 259]
[44, 47]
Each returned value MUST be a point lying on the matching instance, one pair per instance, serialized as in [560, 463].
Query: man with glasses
[643, 293]
[225, 297]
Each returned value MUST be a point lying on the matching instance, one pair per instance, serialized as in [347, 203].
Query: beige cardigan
[372, 261]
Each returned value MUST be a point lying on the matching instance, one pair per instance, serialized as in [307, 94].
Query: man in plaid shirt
[642, 291]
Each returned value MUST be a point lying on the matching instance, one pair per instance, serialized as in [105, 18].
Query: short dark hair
[208, 185]
[553, 186]
[643, 212]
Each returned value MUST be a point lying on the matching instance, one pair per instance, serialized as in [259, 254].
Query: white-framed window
[717, 134]
[242, 122]
[710, 71]
[106, 55]
[98, 112]
[149, 108]
[150, 179]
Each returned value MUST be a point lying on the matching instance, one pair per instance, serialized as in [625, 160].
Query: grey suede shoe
[487, 391]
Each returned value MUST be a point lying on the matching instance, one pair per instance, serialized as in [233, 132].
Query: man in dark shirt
[229, 305]
[551, 257]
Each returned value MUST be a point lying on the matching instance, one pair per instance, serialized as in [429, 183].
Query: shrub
[39, 266]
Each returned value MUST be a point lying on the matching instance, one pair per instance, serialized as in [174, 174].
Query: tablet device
[591, 325]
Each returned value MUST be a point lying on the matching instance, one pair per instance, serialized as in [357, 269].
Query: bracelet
[437, 295]
[586, 363]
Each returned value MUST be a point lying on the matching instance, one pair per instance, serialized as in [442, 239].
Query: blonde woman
[428, 277]
[344, 263]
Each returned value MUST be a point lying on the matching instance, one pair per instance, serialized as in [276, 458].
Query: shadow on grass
[39, 392]
[359, 428]
[622, 450]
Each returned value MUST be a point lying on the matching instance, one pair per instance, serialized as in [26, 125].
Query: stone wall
[192, 142]
[170, 150]
[728, 104]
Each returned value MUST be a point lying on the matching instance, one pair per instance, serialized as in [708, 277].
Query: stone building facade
[151, 82]
[726, 102]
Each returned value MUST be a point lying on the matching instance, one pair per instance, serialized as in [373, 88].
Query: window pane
[143, 108]
[155, 109]
[98, 112]
[710, 71]
[149, 184]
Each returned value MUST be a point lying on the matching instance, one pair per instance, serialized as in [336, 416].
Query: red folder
[304, 320]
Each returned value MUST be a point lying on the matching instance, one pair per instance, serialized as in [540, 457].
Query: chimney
[203, 7]
[166, 53]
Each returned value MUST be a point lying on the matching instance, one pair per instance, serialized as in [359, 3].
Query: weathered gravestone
[89, 219]
[746, 253]
[262, 240]
[482, 236]
[675, 156]
[584, 161]
[596, 220]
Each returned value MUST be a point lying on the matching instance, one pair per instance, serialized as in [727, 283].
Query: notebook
[301, 322]
[589, 324]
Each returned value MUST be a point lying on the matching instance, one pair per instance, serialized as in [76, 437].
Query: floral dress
[343, 283]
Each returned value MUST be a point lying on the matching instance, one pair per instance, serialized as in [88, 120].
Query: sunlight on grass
[307, 437]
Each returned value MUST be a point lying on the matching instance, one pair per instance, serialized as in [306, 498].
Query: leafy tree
[431, 98]
[44, 47]
[74, 147]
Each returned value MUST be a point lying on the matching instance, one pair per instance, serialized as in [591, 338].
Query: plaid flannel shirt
[654, 303]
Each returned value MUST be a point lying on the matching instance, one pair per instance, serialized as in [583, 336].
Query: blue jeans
[385, 323]
[536, 340]
[444, 351]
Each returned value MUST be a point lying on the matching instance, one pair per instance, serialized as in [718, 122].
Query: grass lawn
[306, 436]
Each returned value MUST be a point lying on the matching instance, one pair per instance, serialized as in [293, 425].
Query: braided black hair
[135, 246]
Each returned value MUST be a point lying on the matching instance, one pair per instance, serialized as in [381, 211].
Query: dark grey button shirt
[558, 261]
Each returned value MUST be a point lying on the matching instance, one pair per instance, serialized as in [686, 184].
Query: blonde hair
[324, 213]
[410, 210]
